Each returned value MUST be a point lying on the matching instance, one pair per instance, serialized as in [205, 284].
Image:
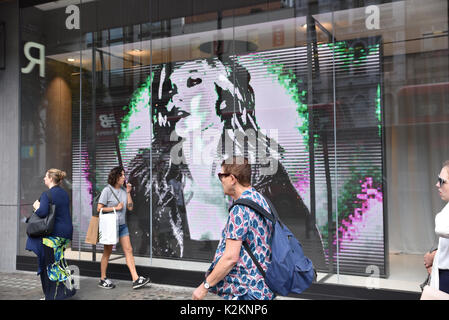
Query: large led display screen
[316, 152]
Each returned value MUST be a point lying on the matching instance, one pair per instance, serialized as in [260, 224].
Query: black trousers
[444, 280]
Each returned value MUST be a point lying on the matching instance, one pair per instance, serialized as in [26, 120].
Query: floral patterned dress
[56, 277]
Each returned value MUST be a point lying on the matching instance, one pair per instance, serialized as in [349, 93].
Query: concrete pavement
[157, 299]
[22, 285]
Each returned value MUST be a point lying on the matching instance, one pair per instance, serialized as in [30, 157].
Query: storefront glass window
[340, 106]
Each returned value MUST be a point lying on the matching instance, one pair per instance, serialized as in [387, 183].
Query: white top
[442, 230]
[441, 260]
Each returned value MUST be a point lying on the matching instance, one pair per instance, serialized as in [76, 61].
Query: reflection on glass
[327, 130]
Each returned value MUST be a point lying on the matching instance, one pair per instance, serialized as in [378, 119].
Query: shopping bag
[108, 228]
[430, 293]
[92, 231]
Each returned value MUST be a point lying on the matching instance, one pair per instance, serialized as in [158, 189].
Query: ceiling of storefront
[405, 26]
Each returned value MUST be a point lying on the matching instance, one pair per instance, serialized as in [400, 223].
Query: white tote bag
[430, 293]
[108, 228]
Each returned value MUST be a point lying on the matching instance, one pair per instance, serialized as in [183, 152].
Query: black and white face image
[187, 117]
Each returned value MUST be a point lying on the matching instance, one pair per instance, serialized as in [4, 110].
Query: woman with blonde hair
[52, 267]
[437, 262]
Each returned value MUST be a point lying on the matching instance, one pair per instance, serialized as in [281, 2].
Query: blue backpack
[290, 270]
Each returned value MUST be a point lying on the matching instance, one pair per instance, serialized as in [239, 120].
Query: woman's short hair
[114, 175]
[56, 175]
[239, 168]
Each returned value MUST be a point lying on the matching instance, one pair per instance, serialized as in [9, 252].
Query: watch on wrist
[206, 284]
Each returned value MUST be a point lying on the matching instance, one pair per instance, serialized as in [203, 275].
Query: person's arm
[230, 257]
[428, 260]
[42, 211]
[109, 209]
[129, 201]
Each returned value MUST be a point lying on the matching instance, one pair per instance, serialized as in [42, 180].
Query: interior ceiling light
[135, 51]
[301, 27]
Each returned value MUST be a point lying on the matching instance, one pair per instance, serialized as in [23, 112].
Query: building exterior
[341, 106]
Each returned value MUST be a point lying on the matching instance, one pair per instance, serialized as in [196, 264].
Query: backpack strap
[248, 249]
[273, 210]
[259, 209]
[256, 207]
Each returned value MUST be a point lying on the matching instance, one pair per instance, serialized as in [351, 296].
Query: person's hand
[119, 206]
[36, 205]
[428, 259]
[129, 187]
[429, 270]
[199, 293]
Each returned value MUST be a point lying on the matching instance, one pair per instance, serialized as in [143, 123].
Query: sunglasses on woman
[222, 175]
[441, 181]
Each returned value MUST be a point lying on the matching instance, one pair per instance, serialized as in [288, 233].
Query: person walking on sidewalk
[437, 262]
[52, 267]
[232, 274]
[114, 196]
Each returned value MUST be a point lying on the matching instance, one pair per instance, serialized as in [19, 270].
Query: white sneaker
[139, 283]
[106, 284]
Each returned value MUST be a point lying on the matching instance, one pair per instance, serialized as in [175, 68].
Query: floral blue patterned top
[245, 224]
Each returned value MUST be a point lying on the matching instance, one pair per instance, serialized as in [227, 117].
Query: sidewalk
[22, 285]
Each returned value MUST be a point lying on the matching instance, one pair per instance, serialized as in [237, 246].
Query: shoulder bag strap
[114, 194]
[49, 197]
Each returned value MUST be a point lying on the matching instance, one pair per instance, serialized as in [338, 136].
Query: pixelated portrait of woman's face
[194, 98]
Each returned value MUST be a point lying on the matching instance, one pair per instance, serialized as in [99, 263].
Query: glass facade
[341, 107]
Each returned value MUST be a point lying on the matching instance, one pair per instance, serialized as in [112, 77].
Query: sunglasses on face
[222, 175]
[441, 181]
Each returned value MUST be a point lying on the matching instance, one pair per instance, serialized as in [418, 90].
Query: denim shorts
[123, 230]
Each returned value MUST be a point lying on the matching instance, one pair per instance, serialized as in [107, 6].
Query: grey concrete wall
[9, 139]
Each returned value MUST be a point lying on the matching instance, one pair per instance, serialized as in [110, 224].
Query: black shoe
[139, 283]
[106, 284]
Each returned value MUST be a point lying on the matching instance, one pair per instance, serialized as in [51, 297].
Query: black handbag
[42, 227]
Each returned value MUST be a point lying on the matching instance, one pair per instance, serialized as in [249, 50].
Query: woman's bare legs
[105, 259]
[125, 242]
